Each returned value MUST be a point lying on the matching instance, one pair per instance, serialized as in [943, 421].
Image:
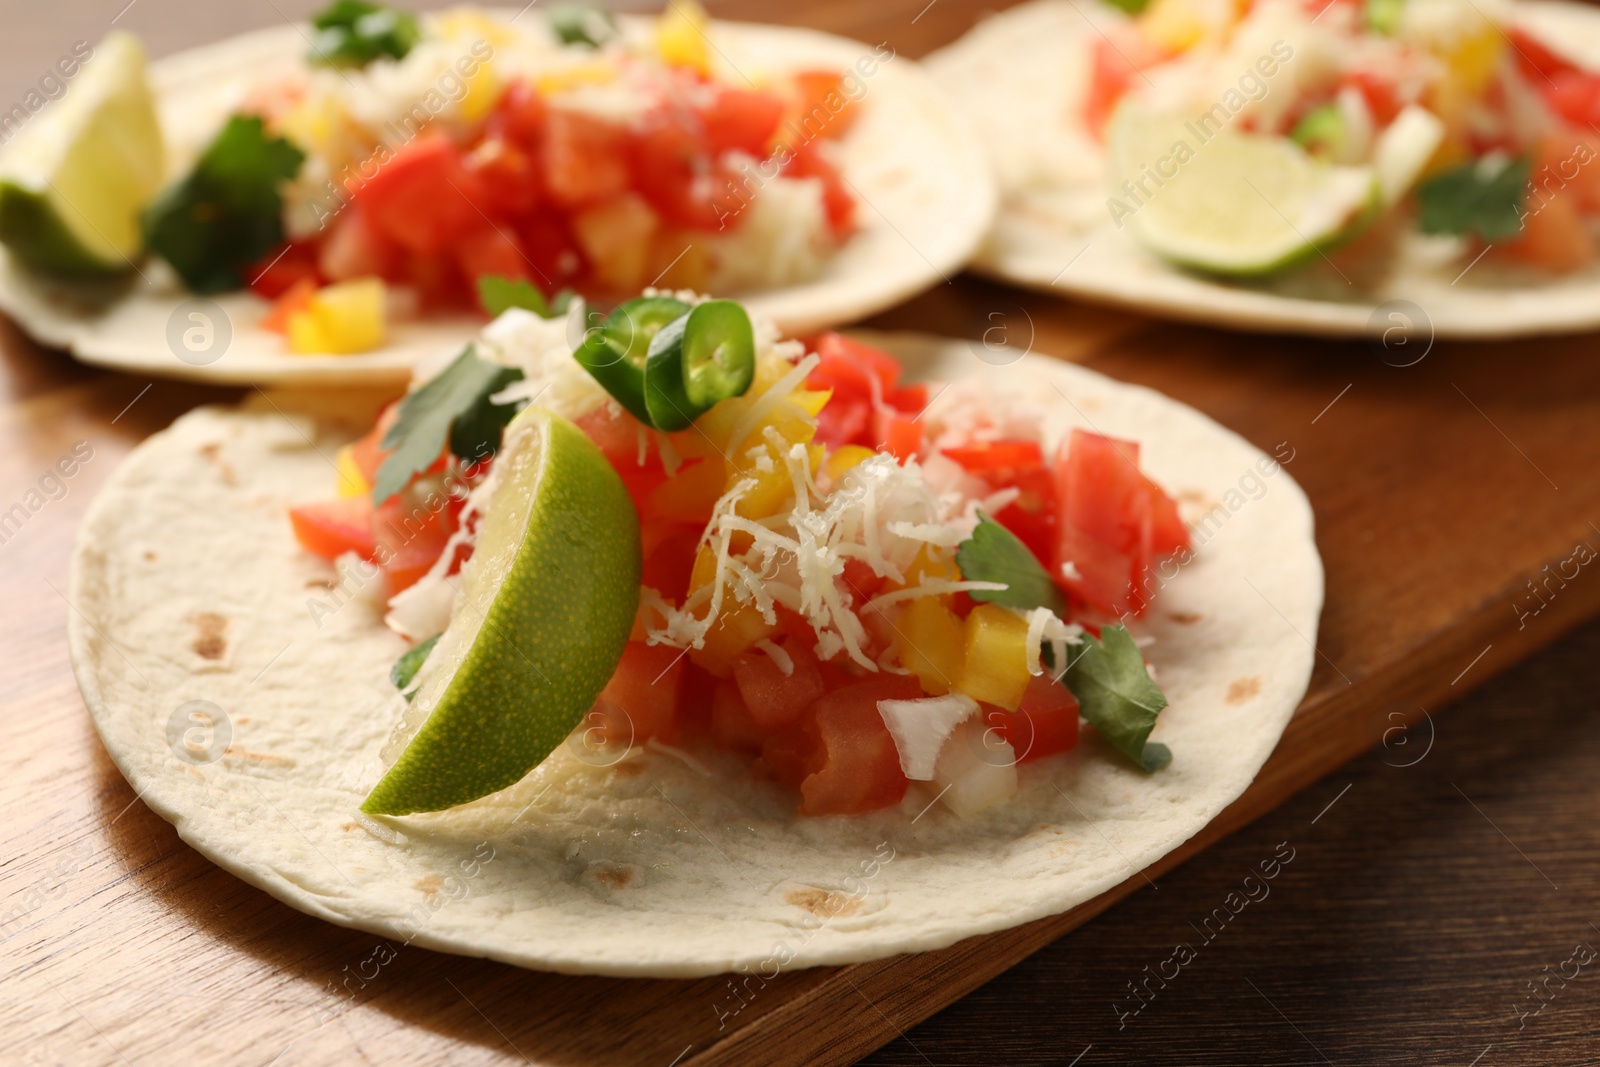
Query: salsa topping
[849, 590]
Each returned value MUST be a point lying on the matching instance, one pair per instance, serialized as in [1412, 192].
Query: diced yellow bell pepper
[593, 72]
[931, 644]
[771, 494]
[616, 238]
[995, 669]
[341, 319]
[736, 629]
[811, 401]
[351, 481]
[681, 36]
[705, 568]
[839, 461]
[483, 92]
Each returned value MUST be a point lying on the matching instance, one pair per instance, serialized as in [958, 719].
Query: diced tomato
[1111, 74]
[1535, 59]
[900, 435]
[551, 248]
[519, 115]
[355, 248]
[821, 109]
[860, 767]
[368, 451]
[1032, 516]
[667, 565]
[1562, 167]
[776, 699]
[585, 158]
[694, 710]
[794, 754]
[850, 368]
[283, 268]
[490, 250]
[837, 200]
[1554, 235]
[680, 177]
[1112, 523]
[844, 420]
[997, 458]
[742, 120]
[860, 579]
[296, 298]
[424, 196]
[617, 435]
[333, 527]
[509, 176]
[642, 698]
[1045, 724]
[910, 399]
[1379, 91]
[732, 727]
[437, 281]
[409, 534]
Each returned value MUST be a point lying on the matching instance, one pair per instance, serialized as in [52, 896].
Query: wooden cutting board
[1443, 492]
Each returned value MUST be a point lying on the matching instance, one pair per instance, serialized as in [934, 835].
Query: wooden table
[1432, 881]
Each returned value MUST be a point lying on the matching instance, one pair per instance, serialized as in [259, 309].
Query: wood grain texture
[1440, 490]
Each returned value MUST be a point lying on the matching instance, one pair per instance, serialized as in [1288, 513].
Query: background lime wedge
[1239, 204]
[544, 610]
[74, 180]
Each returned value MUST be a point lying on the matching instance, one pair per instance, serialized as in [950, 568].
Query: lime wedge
[1228, 202]
[543, 611]
[75, 178]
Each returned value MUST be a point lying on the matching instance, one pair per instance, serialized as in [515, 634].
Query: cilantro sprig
[1107, 675]
[498, 294]
[454, 406]
[1478, 197]
[353, 33]
[228, 211]
[410, 662]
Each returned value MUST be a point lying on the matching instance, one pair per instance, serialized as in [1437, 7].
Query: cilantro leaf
[352, 33]
[410, 662]
[1474, 198]
[1129, 7]
[994, 554]
[584, 24]
[227, 212]
[459, 393]
[1116, 694]
[497, 293]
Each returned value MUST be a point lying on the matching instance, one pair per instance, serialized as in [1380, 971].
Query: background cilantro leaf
[1116, 694]
[352, 33]
[1474, 198]
[497, 293]
[994, 554]
[227, 212]
[427, 415]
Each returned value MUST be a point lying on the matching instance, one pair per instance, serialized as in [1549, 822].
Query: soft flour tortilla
[925, 190]
[1021, 76]
[187, 585]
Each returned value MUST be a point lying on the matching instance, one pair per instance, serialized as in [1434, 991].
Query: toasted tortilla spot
[213, 452]
[322, 583]
[429, 884]
[823, 903]
[149, 557]
[208, 640]
[615, 877]
[262, 759]
[1243, 689]
[1186, 618]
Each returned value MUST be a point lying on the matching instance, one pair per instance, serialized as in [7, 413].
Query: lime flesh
[1231, 203]
[543, 612]
[74, 180]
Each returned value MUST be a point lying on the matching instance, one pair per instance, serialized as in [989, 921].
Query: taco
[695, 649]
[324, 204]
[1296, 165]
